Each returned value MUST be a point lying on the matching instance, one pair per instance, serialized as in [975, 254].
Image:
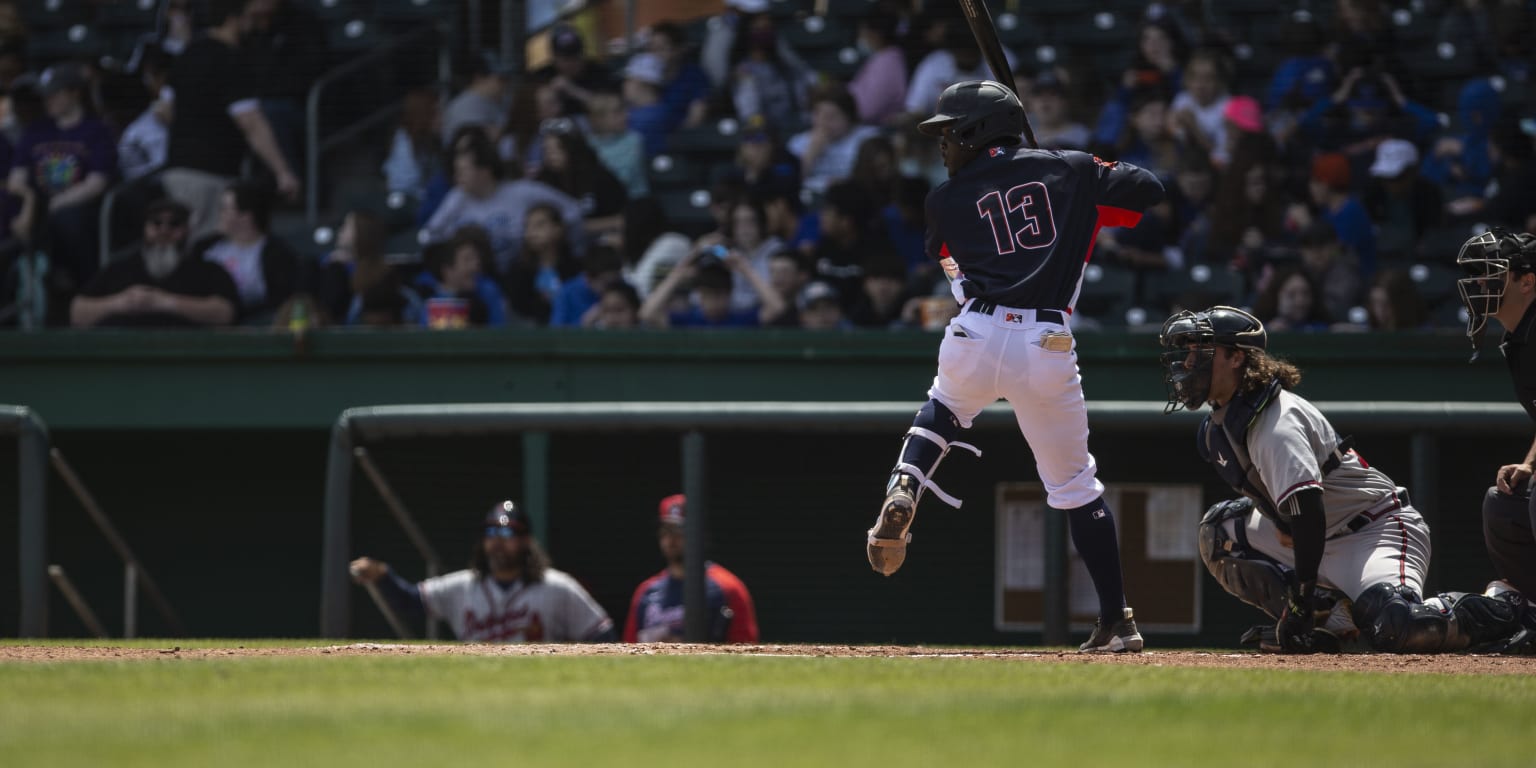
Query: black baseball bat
[985, 32]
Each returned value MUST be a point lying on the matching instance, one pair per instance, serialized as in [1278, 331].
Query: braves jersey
[480, 610]
[1020, 223]
[1288, 445]
[656, 612]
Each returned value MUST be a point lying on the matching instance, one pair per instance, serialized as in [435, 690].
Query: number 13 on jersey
[1019, 218]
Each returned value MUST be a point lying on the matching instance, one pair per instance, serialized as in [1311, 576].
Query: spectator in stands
[850, 234]
[483, 101]
[1306, 74]
[481, 196]
[141, 148]
[709, 268]
[1190, 200]
[356, 270]
[789, 271]
[763, 81]
[460, 269]
[61, 167]
[1197, 115]
[573, 74]
[533, 104]
[543, 264]
[649, 246]
[787, 217]
[1158, 64]
[684, 86]
[1246, 135]
[1147, 141]
[415, 149]
[828, 148]
[642, 98]
[1338, 205]
[1332, 268]
[265, 269]
[725, 35]
[600, 268]
[874, 169]
[174, 28]
[617, 308]
[656, 611]
[1402, 203]
[746, 233]
[880, 86]
[1247, 217]
[906, 222]
[571, 166]
[1394, 303]
[621, 149]
[958, 60]
[1511, 199]
[1366, 108]
[1460, 161]
[287, 46]
[883, 292]
[217, 118]
[820, 307]
[762, 161]
[159, 285]
[1048, 116]
[1291, 301]
[1362, 34]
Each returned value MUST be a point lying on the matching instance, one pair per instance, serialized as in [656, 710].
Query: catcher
[509, 594]
[1314, 514]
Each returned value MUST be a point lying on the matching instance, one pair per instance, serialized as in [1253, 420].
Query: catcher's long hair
[535, 561]
[1259, 368]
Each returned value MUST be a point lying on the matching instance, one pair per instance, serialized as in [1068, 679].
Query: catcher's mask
[1189, 341]
[1487, 260]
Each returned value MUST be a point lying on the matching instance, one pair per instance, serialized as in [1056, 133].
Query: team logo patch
[996, 151]
[1013, 317]
[1220, 459]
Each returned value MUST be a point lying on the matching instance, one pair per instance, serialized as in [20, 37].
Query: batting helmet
[979, 114]
[507, 519]
[1486, 259]
[1189, 341]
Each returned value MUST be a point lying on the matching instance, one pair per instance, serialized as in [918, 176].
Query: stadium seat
[335, 10]
[668, 171]
[1099, 29]
[352, 35]
[1105, 289]
[815, 32]
[1212, 285]
[718, 139]
[786, 9]
[390, 11]
[1436, 283]
[851, 10]
[1018, 32]
[687, 210]
[43, 15]
[76, 42]
[136, 14]
[837, 63]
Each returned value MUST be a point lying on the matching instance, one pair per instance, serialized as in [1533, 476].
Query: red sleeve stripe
[1293, 489]
[943, 250]
[1110, 216]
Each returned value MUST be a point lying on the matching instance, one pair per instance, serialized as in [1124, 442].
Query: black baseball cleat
[1120, 637]
[887, 544]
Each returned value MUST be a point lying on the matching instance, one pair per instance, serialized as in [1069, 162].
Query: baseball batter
[1013, 228]
[1315, 512]
[509, 594]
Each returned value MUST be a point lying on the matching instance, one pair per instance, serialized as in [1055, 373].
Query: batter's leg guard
[1394, 620]
[927, 443]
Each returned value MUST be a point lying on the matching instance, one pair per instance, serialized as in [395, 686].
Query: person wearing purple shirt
[61, 167]
[880, 86]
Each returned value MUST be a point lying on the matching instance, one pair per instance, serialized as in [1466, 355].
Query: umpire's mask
[1487, 260]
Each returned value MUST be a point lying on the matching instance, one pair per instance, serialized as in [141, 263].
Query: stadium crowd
[761, 167]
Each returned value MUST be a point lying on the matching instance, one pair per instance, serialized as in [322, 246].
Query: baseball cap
[748, 6]
[564, 40]
[61, 76]
[507, 520]
[671, 510]
[645, 67]
[1244, 113]
[1394, 156]
[815, 292]
[1331, 168]
[1048, 82]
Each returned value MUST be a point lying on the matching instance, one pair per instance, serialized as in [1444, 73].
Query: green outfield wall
[209, 452]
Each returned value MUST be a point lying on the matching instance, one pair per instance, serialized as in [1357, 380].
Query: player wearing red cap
[656, 612]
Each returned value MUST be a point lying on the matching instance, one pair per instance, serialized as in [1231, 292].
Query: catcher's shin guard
[1394, 620]
[926, 444]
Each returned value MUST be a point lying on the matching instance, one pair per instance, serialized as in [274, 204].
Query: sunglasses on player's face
[501, 532]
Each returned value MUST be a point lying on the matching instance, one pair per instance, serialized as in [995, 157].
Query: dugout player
[1500, 283]
[1013, 228]
[656, 612]
[509, 594]
[1314, 512]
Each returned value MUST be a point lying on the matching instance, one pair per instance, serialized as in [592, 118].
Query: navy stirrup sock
[1093, 533]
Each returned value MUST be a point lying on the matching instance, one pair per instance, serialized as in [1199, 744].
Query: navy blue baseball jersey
[1020, 223]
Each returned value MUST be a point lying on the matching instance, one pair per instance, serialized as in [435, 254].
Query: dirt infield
[1442, 664]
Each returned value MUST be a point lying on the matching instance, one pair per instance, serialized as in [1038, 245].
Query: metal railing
[356, 427]
[315, 146]
[35, 456]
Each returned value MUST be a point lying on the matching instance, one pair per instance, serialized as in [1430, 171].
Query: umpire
[1500, 282]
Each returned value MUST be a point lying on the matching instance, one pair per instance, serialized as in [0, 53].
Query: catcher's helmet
[1486, 259]
[1189, 341]
[979, 114]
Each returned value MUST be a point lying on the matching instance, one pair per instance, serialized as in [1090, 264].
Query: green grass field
[716, 710]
